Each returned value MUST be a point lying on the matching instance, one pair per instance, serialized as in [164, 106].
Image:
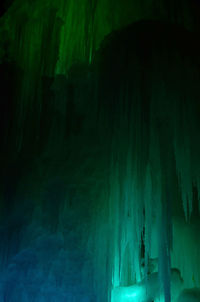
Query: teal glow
[131, 295]
[128, 293]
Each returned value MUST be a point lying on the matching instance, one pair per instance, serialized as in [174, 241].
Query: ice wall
[149, 110]
[46, 38]
[100, 152]
[71, 31]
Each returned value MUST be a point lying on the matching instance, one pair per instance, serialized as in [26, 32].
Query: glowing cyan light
[128, 294]
[133, 295]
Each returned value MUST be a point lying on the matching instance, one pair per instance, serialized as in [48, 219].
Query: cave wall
[99, 146]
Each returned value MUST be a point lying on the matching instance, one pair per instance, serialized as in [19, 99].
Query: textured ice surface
[189, 295]
[148, 290]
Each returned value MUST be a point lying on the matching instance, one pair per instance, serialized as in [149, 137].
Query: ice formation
[189, 295]
[151, 115]
[150, 289]
[100, 151]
